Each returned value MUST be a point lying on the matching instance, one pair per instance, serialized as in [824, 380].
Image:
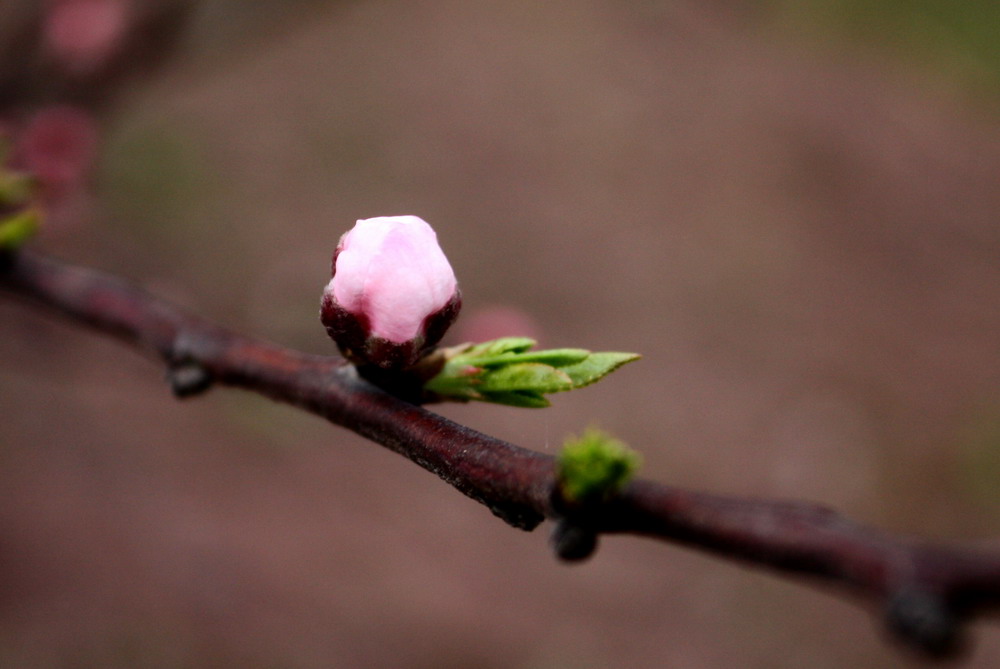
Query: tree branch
[924, 591]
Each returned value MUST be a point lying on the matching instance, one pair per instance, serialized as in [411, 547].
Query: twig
[924, 591]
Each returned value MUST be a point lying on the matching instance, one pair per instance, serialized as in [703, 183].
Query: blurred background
[791, 209]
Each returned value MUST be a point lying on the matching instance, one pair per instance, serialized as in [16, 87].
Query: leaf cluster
[507, 371]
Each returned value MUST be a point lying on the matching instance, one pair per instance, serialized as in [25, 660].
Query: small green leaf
[557, 357]
[529, 376]
[518, 398]
[596, 366]
[501, 346]
[17, 229]
[595, 466]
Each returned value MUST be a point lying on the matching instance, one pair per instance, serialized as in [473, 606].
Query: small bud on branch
[592, 470]
[594, 467]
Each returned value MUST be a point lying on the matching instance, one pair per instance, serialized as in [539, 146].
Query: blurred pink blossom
[493, 322]
[83, 34]
[58, 145]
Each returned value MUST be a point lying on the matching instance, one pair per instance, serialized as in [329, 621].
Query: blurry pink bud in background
[496, 321]
[57, 145]
[393, 293]
[84, 34]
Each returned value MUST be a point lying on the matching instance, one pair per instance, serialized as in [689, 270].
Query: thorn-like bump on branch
[518, 517]
[573, 543]
[923, 621]
[188, 378]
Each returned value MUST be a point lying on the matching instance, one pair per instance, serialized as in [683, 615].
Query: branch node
[188, 378]
[519, 517]
[923, 621]
[573, 543]
[574, 538]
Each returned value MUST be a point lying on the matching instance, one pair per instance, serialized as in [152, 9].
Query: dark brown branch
[924, 591]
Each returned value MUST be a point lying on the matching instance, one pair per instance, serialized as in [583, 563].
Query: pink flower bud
[58, 145]
[83, 34]
[393, 293]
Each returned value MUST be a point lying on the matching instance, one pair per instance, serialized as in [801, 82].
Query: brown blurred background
[792, 210]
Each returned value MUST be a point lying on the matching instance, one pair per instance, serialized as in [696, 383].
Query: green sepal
[15, 230]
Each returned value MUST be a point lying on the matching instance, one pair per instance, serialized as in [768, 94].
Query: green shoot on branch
[595, 467]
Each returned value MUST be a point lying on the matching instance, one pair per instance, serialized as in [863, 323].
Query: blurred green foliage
[18, 228]
[152, 175]
[980, 459]
[960, 38]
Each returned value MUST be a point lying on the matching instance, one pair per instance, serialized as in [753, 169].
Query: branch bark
[924, 591]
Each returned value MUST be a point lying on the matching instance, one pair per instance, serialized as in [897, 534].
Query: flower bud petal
[393, 293]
